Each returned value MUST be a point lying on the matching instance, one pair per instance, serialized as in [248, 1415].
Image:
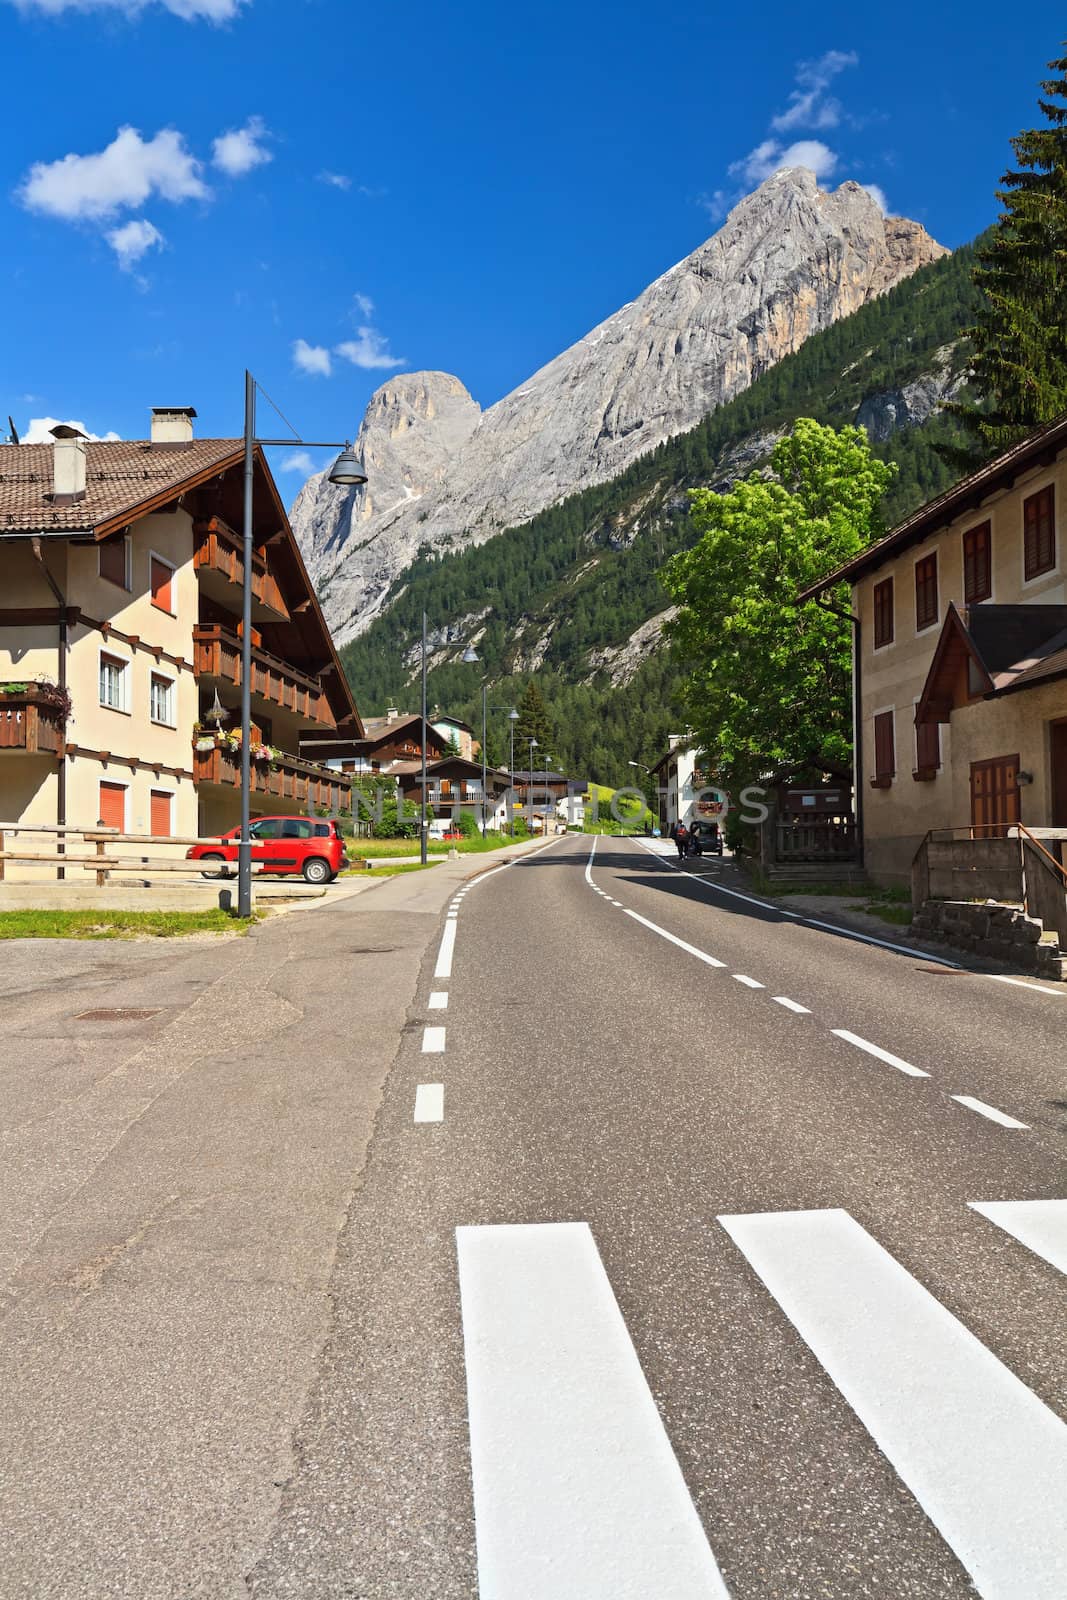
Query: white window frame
[172, 683]
[879, 649]
[935, 551]
[880, 711]
[118, 783]
[123, 678]
[172, 795]
[154, 555]
[1056, 570]
[127, 583]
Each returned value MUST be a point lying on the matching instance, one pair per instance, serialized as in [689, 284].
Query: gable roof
[1038, 448]
[990, 651]
[124, 479]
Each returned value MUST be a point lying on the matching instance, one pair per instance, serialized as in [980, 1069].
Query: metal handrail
[1049, 857]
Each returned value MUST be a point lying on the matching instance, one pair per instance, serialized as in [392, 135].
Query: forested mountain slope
[565, 594]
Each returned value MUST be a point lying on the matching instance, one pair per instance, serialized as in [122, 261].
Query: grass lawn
[371, 849]
[891, 905]
[115, 924]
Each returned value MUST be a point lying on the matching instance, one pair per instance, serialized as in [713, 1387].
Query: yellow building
[120, 598]
[961, 657]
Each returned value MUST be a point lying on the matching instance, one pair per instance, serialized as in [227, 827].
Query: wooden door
[1058, 749]
[994, 796]
[113, 805]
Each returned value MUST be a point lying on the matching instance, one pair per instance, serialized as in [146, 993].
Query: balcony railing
[287, 779]
[219, 549]
[29, 723]
[217, 654]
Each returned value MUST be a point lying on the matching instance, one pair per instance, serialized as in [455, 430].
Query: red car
[311, 846]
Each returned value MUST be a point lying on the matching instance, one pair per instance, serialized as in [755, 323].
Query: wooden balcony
[292, 778]
[29, 723]
[218, 560]
[217, 654]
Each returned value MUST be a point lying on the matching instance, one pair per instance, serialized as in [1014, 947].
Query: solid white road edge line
[446, 951]
[673, 938]
[1059, 991]
[749, 983]
[983, 1456]
[438, 1000]
[577, 1491]
[882, 1055]
[430, 1102]
[1040, 1225]
[589, 863]
[989, 1111]
[791, 1005]
[433, 1041]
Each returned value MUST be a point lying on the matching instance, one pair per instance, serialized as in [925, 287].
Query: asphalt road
[584, 1229]
[686, 1277]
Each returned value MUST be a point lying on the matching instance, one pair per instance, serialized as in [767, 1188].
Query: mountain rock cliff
[790, 260]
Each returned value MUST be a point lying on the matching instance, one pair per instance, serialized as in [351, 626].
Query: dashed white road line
[1041, 1225]
[438, 1000]
[880, 1054]
[983, 1456]
[446, 951]
[430, 1102]
[672, 938]
[577, 1491]
[749, 983]
[988, 1111]
[433, 1041]
[791, 1005]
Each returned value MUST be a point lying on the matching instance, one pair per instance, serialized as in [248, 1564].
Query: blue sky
[320, 192]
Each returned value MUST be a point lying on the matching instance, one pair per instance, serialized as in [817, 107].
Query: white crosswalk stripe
[984, 1457]
[577, 1492]
[1041, 1225]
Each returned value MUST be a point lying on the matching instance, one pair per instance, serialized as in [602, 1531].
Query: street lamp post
[513, 717]
[532, 742]
[347, 470]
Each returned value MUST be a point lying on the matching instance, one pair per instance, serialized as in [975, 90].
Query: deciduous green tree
[767, 682]
[1020, 359]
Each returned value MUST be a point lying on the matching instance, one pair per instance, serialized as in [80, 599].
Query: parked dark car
[311, 847]
[705, 838]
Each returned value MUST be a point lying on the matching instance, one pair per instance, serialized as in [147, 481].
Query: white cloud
[337, 180]
[133, 240]
[369, 349]
[877, 194]
[39, 430]
[365, 304]
[188, 10]
[313, 359]
[299, 461]
[239, 150]
[809, 106]
[121, 177]
[771, 156]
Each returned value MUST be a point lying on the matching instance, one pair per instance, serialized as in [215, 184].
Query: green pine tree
[533, 723]
[1020, 358]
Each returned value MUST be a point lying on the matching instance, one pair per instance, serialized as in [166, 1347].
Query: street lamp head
[348, 469]
[513, 715]
[470, 654]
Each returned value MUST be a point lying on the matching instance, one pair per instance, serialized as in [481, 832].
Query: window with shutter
[885, 763]
[926, 592]
[159, 812]
[113, 672]
[1039, 533]
[113, 805]
[883, 613]
[927, 749]
[161, 578]
[113, 558]
[977, 566]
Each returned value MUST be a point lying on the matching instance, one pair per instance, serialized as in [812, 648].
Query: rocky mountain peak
[790, 259]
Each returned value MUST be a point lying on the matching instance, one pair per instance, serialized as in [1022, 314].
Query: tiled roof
[120, 478]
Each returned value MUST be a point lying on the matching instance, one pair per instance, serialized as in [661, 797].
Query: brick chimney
[68, 464]
[172, 426]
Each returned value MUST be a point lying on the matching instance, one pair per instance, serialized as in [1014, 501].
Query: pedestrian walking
[680, 835]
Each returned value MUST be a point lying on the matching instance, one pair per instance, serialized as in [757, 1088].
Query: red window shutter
[160, 813]
[883, 613]
[113, 805]
[977, 570]
[926, 591]
[161, 585]
[885, 765]
[1039, 532]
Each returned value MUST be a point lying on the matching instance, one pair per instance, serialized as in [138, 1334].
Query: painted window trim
[883, 780]
[154, 555]
[124, 680]
[154, 672]
[991, 598]
[118, 783]
[927, 627]
[876, 648]
[1030, 490]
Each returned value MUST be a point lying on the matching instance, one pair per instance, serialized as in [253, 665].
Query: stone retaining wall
[991, 929]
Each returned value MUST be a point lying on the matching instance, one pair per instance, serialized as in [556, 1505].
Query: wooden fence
[132, 863]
